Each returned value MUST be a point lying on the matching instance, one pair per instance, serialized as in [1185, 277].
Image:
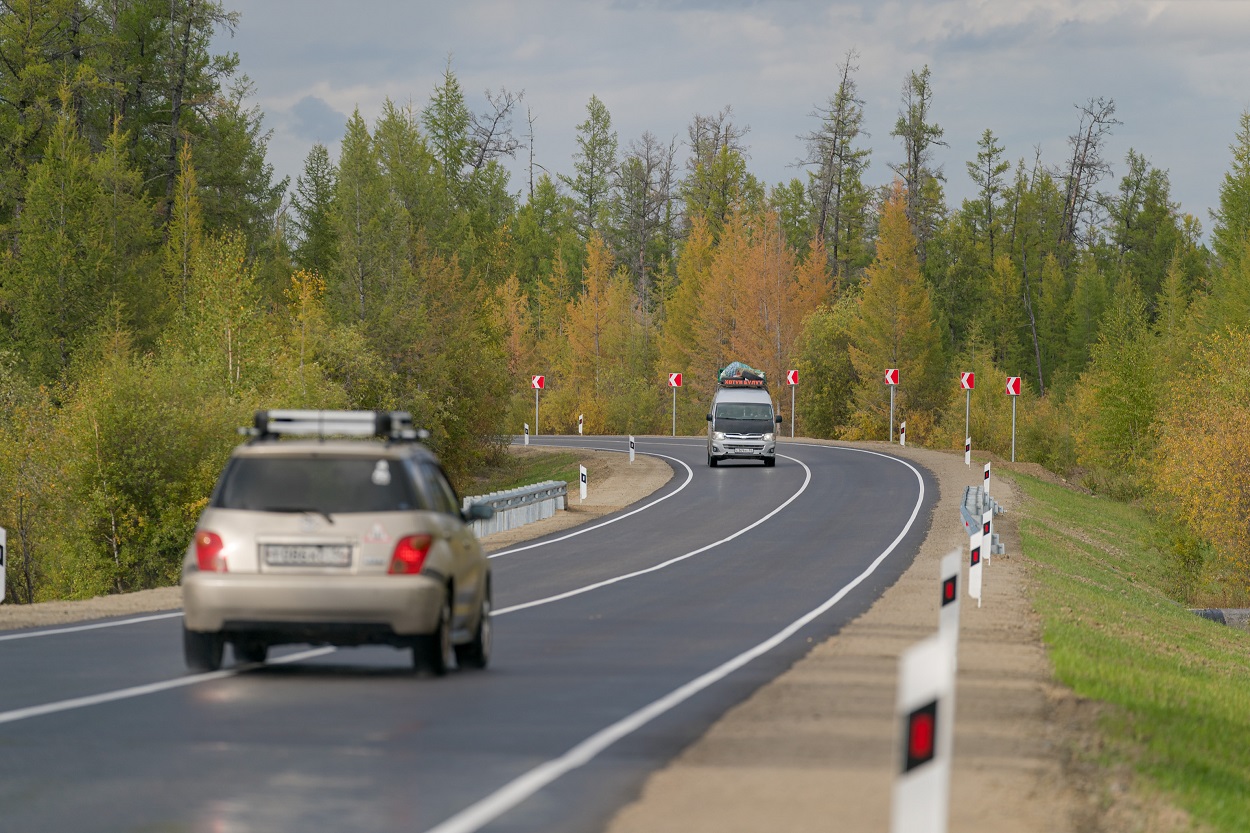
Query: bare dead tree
[491, 132]
[709, 135]
[917, 171]
[643, 205]
[1086, 167]
[831, 150]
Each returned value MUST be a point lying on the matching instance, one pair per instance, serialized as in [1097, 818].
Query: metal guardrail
[520, 506]
[976, 501]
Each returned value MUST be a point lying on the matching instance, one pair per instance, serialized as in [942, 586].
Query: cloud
[317, 121]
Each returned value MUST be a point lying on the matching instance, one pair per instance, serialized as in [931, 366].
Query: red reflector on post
[208, 557]
[976, 557]
[949, 591]
[410, 553]
[921, 736]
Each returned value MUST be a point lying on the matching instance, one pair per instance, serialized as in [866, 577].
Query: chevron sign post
[537, 383]
[1013, 390]
[968, 381]
[891, 379]
[792, 379]
[674, 382]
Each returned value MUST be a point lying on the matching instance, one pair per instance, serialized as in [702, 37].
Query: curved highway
[616, 645]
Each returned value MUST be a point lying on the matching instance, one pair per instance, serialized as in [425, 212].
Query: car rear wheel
[433, 654]
[476, 653]
[202, 651]
[250, 651]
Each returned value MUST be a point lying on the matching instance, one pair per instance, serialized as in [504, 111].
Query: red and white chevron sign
[891, 376]
[537, 382]
[967, 381]
[674, 380]
[792, 377]
[1013, 385]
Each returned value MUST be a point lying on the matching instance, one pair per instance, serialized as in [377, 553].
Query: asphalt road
[616, 645]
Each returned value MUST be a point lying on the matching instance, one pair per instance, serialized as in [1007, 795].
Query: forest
[158, 285]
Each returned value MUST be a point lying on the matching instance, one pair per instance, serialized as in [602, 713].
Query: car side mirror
[778, 420]
[709, 417]
[479, 512]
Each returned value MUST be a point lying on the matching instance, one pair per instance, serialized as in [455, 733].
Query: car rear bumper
[407, 605]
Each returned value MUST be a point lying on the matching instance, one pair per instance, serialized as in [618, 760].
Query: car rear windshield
[327, 484]
[744, 410]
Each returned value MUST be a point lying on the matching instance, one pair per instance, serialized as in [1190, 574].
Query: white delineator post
[579, 424]
[902, 433]
[631, 448]
[974, 565]
[968, 451]
[986, 477]
[926, 713]
[582, 471]
[527, 433]
[948, 613]
[4, 560]
[987, 533]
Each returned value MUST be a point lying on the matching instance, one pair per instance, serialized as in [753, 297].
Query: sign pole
[1013, 429]
[535, 412]
[968, 412]
[792, 387]
[891, 413]
[674, 412]
[4, 545]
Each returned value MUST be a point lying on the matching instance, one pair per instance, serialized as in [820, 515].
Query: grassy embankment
[1178, 686]
[524, 470]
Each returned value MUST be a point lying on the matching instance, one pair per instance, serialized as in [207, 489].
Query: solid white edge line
[483, 812]
[151, 688]
[584, 530]
[6, 637]
[586, 589]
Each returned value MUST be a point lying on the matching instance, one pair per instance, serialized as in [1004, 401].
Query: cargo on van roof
[740, 375]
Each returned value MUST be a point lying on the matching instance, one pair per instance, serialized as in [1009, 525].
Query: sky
[1176, 70]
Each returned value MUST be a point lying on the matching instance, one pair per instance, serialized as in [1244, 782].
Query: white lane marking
[478, 815]
[151, 688]
[587, 588]
[584, 530]
[6, 637]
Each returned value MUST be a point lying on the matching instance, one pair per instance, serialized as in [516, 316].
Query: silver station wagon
[336, 528]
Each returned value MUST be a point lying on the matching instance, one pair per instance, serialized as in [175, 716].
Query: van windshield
[744, 410]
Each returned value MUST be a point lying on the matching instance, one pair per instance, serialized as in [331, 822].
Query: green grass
[513, 471]
[1179, 685]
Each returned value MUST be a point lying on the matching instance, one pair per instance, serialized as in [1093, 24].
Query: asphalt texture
[550, 738]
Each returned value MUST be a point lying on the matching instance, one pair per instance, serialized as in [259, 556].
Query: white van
[742, 426]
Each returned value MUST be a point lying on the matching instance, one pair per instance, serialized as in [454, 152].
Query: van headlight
[718, 435]
[768, 438]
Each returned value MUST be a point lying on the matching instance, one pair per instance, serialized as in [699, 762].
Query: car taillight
[410, 554]
[208, 555]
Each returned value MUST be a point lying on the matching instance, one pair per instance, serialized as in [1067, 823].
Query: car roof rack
[392, 425]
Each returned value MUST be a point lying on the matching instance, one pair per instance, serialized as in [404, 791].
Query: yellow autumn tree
[895, 328]
[606, 371]
[1202, 464]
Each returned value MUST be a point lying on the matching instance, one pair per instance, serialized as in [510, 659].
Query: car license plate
[307, 555]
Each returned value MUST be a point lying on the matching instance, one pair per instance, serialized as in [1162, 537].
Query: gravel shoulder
[818, 743]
